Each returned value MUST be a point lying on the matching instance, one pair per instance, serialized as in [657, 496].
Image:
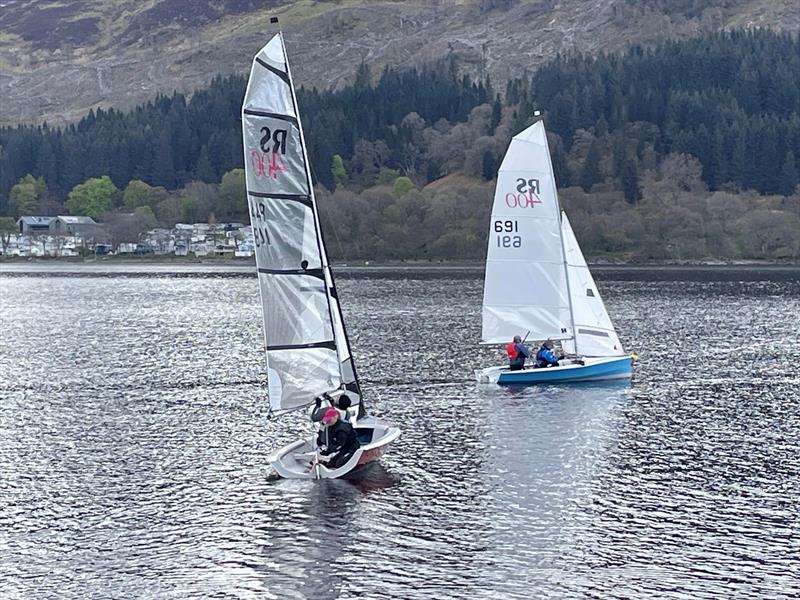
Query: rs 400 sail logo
[526, 196]
[267, 160]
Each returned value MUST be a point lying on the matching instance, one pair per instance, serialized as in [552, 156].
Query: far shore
[242, 265]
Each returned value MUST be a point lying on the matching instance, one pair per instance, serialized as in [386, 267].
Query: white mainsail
[594, 332]
[306, 344]
[526, 287]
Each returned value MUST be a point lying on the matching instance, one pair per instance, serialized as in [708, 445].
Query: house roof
[76, 220]
[40, 221]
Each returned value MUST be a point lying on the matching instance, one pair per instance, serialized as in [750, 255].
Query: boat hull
[592, 369]
[299, 459]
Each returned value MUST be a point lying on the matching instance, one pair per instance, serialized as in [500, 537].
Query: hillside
[58, 58]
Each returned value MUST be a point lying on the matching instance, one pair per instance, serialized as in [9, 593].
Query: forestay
[594, 332]
[526, 287]
[306, 343]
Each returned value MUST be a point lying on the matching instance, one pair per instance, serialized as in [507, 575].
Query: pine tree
[163, 169]
[488, 166]
[591, 168]
[497, 113]
[338, 171]
[203, 170]
[789, 178]
[630, 182]
[601, 127]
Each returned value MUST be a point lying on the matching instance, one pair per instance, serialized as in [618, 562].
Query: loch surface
[134, 437]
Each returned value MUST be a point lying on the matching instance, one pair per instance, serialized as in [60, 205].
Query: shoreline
[247, 265]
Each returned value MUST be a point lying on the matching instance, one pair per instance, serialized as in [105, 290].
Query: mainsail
[594, 332]
[526, 287]
[306, 343]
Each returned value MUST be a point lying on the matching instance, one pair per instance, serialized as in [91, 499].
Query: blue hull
[594, 370]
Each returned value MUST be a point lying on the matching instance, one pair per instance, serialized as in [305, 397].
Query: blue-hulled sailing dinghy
[537, 280]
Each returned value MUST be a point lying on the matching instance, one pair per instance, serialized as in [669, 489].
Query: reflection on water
[133, 438]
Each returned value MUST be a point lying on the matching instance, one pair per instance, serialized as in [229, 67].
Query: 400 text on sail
[527, 194]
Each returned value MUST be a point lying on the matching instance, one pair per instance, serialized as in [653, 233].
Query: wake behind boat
[307, 349]
[537, 279]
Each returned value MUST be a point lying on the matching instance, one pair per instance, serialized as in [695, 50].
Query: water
[133, 442]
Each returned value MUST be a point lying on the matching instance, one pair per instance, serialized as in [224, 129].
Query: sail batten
[306, 353]
[282, 74]
[330, 344]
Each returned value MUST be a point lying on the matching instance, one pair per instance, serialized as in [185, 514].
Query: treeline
[731, 99]
[402, 160]
[174, 140]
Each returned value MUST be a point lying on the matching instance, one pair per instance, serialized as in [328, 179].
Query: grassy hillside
[58, 58]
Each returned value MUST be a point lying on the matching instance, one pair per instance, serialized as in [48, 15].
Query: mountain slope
[58, 58]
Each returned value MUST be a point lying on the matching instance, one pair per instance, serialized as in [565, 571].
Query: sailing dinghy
[537, 279]
[307, 349]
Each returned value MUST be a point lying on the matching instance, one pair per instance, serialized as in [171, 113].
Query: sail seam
[282, 74]
[263, 113]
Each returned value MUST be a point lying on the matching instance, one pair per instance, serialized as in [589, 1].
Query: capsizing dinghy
[537, 279]
[307, 348]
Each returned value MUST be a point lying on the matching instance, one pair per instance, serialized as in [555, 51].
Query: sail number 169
[507, 227]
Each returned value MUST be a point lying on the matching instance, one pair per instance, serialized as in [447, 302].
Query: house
[71, 225]
[34, 225]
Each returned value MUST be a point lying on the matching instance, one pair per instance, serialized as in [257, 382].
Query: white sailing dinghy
[307, 349]
[537, 280]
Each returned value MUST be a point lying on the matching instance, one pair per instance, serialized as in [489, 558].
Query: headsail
[303, 329]
[594, 332]
[526, 287]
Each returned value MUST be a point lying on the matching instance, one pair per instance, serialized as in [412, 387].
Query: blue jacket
[545, 357]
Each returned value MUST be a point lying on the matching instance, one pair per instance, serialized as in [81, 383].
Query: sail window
[593, 332]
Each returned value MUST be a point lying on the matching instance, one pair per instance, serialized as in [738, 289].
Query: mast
[561, 241]
[306, 344]
[317, 227]
[329, 289]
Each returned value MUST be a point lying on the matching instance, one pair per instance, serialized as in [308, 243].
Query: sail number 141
[505, 228]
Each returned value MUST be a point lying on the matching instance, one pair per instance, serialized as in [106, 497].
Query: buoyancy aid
[511, 350]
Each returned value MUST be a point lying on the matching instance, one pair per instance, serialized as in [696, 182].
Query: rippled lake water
[133, 445]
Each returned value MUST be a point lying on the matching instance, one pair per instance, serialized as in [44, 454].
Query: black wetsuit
[342, 441]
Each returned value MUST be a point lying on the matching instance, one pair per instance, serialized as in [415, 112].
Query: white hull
[298, 460]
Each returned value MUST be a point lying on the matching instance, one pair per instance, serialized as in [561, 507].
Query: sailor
[545, 357]
[343, 404]
[324, 401]
[341, 439]
[517, 353]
